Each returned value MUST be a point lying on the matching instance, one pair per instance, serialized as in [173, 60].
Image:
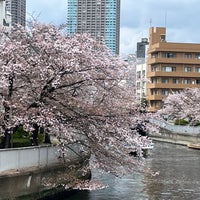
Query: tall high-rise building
[142, 48]
[100, 18]
[17, 8]
[2, 12]
[5, 18]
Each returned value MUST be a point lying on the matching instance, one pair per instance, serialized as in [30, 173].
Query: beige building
[171, 67]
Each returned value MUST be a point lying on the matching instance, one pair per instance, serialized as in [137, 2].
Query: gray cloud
[48, 11]
[181, 18]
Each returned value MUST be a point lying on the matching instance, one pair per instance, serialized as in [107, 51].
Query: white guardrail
[193, 130]
[19, 158]
[41, 156]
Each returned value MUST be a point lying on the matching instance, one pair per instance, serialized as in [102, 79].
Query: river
[179, 178]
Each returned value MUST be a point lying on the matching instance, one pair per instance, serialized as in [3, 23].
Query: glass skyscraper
[17, 8]
[100, 18]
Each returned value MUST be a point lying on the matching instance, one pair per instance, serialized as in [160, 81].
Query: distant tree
[73, 86]
[183, 105]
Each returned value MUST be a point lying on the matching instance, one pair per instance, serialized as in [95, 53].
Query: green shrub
[197, 124]
[40, 138]
[22, 138]
[20, 133]
[21, 142]
[181, 122]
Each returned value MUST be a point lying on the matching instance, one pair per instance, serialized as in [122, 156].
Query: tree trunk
[35, 134]
[5, 143]
[47, 138]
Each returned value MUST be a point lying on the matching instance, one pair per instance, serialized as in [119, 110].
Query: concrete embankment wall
[175, 133]
[20, 158]
[35, 172]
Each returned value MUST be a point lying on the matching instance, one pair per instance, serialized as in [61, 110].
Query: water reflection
[179, 178]
[179, 173]
[129, 187]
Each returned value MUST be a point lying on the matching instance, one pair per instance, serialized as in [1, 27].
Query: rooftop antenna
[150, 22]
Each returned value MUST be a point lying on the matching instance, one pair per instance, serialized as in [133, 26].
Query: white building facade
[141, 69]
[17, 9]
[5, 17]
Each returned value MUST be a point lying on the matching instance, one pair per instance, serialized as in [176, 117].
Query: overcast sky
[181, 18]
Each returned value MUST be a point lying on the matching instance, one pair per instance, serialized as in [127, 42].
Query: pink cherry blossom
[74, 87]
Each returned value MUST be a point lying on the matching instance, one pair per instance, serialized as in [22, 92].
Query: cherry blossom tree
[74, 88]
[183, 105]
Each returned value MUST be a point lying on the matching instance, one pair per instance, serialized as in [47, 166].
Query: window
[139, 74]
[143, 84]
[175, 81]
[197, 69]
[169, 55]
[187, 81]
[154, 68]
[187, 69]
[154, 80]
[162, 38]
[143, 73]
[154, 104]
[165, 92]
[138, 85]
[198, 81]
[165, 80]
[188, 55]
[197, 56]
[154, 92]
[168, 69]
[154, 55]
[176, 91]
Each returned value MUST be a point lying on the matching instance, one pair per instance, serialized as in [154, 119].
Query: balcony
[173, 74]
[156, 97]
[178, 60]
[176, 47]
[171, 86]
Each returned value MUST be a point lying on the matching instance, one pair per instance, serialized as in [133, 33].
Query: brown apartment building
[171, 67]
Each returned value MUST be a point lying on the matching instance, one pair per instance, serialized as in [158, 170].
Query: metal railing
[193, 130]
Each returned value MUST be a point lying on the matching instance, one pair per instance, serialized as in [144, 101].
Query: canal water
[179, 178]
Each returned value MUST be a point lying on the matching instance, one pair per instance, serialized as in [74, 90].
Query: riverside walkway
[175, 133]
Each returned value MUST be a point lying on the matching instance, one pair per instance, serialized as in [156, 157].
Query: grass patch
[182, 122]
